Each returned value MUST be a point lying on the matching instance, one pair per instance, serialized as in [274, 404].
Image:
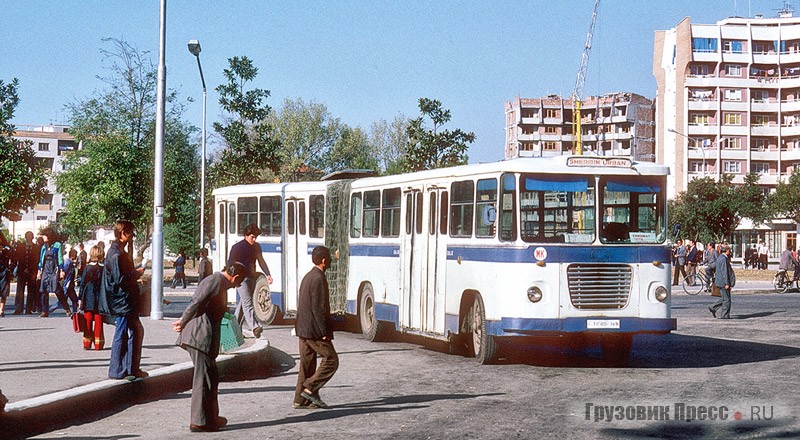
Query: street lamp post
[696, 145]
[194, 49]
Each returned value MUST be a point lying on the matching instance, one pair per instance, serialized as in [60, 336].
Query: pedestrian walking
[725, 279]
[123, 301]
[199, 328]
[5, 272]
[26, 263]
[763, 252]
[204, 266]
[68, 283]
[91, 282]
[80, 264]
[680, 263]
[180, 270]
[314, 330]
[248, 252]
[51, 259]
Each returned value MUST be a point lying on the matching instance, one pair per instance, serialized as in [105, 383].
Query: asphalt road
[730, 379]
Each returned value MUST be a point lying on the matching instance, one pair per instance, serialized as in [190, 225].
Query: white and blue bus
[475, 254]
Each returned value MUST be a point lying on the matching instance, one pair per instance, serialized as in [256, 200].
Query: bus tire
[366, 314]
[480, 344]
[265, 310]
[616, 348]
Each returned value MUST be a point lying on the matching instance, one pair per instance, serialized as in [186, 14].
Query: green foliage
[351, 150]
[250, 152]
[111, 176]
[23, 183]
[785, 201]
[389, 141]
[710, 210]
[431, 148]
[306, 132]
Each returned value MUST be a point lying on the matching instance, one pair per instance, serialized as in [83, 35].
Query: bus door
[414, 259]
[296, 261]
[226, 237]
[434, 269]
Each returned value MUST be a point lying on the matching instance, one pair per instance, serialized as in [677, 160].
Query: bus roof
[559, 165]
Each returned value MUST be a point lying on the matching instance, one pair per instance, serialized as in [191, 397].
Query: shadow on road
[651, 351]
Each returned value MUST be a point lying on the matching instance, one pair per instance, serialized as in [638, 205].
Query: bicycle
[696, 282]
[782, 282]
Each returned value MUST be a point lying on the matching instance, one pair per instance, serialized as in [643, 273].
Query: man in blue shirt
[248, 252]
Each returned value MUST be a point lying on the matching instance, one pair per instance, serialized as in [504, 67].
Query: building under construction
[614, 124]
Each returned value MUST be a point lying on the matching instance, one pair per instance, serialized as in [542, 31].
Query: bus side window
[409, 207]
[248, 211]
[270, 213]
[486, 208]
[462, 208]
[355, 215]
[508, 208]
[317, 214]
[232, 219]
[222, 219]
[302, 217]
[443, 207]
[390, 206]
[372, 213]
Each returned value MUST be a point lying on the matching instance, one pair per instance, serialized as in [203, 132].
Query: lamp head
[194, 47]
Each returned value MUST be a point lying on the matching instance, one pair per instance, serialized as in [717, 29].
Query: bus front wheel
[481, 345]
[366, 314]
[265, 310]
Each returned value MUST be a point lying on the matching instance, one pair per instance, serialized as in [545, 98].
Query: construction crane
[577, 94]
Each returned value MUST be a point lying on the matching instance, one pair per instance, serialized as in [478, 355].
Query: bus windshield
[632, 209]
[556, 209]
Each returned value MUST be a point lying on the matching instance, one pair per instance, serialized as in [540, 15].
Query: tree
[431, 148]
[389, 141]
[351, 150]
[785, 201]
[23, 182]
[111, 176]
[307, 132]
[250, 150]
[710, 210]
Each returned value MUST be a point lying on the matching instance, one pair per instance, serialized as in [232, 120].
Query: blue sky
[365, 60]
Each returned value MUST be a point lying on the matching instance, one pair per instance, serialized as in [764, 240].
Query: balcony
[763, 130]
[531, 120]
[764, 105]
[739, 106]
[703, 129]
[791, 106]
[763, 155]
[790, 130]
[792, 154]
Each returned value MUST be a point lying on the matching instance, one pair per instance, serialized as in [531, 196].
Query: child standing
[90, 298]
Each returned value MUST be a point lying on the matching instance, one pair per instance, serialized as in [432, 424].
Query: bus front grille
[599, 286]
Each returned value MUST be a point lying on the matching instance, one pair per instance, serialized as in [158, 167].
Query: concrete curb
[44, 413]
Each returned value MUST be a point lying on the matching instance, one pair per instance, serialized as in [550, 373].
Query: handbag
[78, 322]
[715, 290]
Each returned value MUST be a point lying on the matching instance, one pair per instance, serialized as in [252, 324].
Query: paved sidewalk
[44, 368]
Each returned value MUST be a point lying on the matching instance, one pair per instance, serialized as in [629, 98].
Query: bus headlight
[661, 293]
[534, 294]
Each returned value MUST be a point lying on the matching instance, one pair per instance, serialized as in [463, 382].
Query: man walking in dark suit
[313, 327]
[199, 329]
[26, 259]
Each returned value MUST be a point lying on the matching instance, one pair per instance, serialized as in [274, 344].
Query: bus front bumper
[543, 327]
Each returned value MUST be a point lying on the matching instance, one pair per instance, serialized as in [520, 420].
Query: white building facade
[49, 143]
[729, 103]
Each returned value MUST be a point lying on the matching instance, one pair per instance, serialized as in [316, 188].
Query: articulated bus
[476, 255]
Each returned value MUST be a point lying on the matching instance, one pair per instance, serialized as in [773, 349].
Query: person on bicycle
[789, 262]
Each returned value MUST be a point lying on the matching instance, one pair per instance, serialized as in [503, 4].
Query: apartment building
[729, 102]
[614, 124]
[49, 143]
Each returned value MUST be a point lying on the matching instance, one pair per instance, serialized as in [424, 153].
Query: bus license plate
[602, 323]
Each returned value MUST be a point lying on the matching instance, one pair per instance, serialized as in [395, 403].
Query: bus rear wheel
[265, 310]
[480, 345]
[366, 314]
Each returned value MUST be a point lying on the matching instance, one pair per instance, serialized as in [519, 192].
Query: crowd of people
[715, 258]
[103, 285]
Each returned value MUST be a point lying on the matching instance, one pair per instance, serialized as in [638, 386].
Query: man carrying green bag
[199, 329]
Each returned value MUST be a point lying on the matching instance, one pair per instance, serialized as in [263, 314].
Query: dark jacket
[91, 282]
[313, 307]
[119, 282]
[724, 276]
[200, 322]
[247, 254]
[26, 260]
